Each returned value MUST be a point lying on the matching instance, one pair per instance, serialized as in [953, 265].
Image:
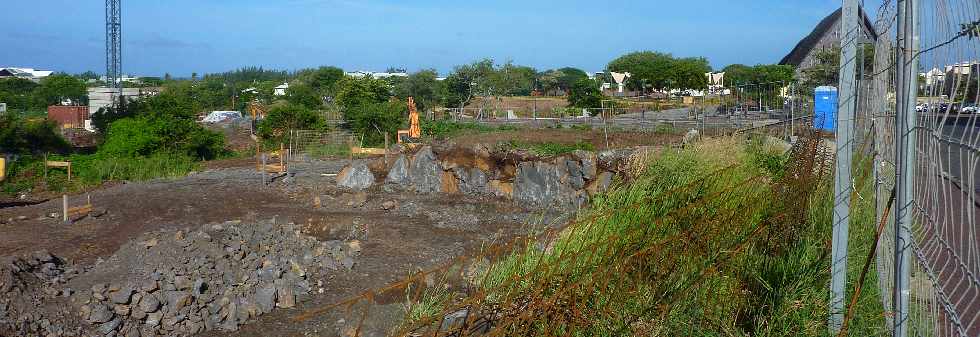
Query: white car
[972, 108]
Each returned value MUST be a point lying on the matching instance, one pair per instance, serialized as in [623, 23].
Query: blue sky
[185, 36]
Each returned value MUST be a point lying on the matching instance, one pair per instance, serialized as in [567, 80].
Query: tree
[373, 120]
[323, 80]
[512, 80]
[689, 73]
[281, 119]
[826, 68]
[304, 95]
[17, 93]
[736, 74]
[55, 88]
[655, 70]
[467, 81]
[353, 92]
[553, 81]
[422, 85]
[647, 68]
[88, 75]
[22, 136]
[585, 94]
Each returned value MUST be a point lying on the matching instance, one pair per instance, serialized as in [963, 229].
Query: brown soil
[421, 232]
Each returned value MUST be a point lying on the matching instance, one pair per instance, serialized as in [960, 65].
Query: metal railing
[914, 109]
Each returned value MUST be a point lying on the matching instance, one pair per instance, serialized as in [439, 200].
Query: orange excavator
[414, 133]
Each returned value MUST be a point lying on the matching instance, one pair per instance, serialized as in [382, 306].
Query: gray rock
[110, 326]
[177, 300]
[398, 174]
[100, 313]
[121, 309]
[575, 176]
[539, 184]
[265, 297]
[589, 163]
[356, 177]
[426, 172]
[122, 295]
[149, 303]
[472, 181]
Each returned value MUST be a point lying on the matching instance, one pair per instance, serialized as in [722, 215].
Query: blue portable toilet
[825, 102]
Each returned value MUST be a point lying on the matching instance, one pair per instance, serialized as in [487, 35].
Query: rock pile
[170, 283]
[26, 285]
[566, 181]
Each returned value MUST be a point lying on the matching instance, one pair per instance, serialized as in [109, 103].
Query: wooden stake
[386, 150]
[64, 207]
[282, 158]
[262, 170]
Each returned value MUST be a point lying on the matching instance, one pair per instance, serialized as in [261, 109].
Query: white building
[362, 74]
[280, 90]
[25, 73]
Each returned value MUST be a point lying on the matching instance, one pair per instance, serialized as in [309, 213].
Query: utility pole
[842, 178]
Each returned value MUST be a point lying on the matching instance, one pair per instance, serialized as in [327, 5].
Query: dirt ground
[421, 231]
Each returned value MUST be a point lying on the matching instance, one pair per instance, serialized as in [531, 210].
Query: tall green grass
[699, 244]
[93, 170]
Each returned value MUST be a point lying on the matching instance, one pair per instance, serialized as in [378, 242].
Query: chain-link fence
[915, 121]
[316, 144]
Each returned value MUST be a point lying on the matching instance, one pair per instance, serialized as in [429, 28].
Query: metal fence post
[842, 178]
[907, 85]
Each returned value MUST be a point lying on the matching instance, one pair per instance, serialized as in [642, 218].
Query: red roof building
[68, 117]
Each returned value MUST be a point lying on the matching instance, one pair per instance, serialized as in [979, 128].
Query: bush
[585, 94]
[146, 136]
[22, 136]
[373, 120]
[280, 119]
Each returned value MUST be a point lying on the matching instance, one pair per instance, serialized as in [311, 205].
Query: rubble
[216, 277]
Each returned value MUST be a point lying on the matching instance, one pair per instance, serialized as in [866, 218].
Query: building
[102, 97]
[280, 90]
[827, 35]
[68, 116]
[362, 74]
[25, 73]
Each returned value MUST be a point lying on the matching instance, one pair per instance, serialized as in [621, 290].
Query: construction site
[832, 193]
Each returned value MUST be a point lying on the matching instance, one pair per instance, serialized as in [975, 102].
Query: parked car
[969, 108]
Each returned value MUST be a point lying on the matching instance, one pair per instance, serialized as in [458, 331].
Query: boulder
[472, 181]
[589, 162]
[356, 177]
[601, 184]
[121, 296]
[501, 189]
[100, 313]
[691, 136]
[265, 297]
[540, 184]
[575, 176]
[398, 174]
[426, 172]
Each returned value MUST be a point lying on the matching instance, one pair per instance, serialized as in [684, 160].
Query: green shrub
[280, 119]
[373, 120]
[23, 136]
[550, 149]
[148, 135]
